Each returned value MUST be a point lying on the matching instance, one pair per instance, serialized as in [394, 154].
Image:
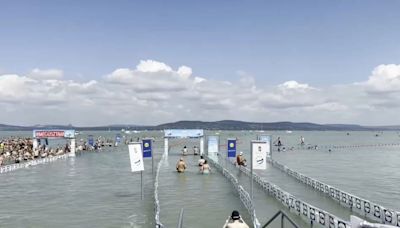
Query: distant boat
[289, 132]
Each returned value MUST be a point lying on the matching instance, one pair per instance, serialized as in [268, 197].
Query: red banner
[49, 134]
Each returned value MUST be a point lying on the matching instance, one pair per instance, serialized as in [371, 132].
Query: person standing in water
[184, 151]
[181, 166]
[195, 150]
[235, 221]
[301, 140]
[205, 168]
[240, 160]
[279, 141]
[201, 161]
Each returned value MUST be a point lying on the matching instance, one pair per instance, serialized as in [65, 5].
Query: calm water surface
[98, 189]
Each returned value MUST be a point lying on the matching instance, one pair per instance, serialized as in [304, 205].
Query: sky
[91, 63]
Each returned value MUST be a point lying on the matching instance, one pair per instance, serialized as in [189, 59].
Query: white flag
[259, 151]
[136, 157]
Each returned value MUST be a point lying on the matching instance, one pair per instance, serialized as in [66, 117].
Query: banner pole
[270, 146]
[251, 170]
[152, 162]
[141, 184]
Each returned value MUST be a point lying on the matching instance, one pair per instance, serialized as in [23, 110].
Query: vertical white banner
[213, 144]
[136, 157]
[259, 151]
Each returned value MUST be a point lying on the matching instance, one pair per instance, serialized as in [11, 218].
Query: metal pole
[152, 161]
[251, 170]
[141, 184]
[270, 145]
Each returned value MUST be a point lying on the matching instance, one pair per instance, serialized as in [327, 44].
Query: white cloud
[293, 85]
[185, 72]
[152, 66]
[384, 78]
[154, 76]
[48, 74]
[154, 92]
[199, 79]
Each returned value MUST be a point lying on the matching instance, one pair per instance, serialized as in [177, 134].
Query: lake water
[97, 189]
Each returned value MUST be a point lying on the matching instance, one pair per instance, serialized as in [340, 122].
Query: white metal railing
[243, 194]
[338, 147]
[156, 200]
[308, 212]
[357, 204]
[12, 167]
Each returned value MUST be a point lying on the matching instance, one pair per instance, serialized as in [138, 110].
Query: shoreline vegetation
[215, 125]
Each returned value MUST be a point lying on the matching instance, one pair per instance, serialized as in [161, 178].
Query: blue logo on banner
[231, 148]
[90, 140]
[146, 148]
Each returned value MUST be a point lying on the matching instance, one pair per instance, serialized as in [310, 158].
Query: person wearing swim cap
[184, 151]
[235, 221]
[205, 168]
[240, 160]
[181, 166]
[201, 161]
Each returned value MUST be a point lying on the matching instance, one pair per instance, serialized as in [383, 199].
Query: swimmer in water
[181, 166]
[205, 168]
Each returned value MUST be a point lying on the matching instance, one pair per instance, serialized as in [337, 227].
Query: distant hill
[241, 125]
[216, 125]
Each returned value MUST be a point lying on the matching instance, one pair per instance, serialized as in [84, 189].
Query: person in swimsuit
[184, 151]
[181, 166]
[240, 160]
[201, 161]
[205, 169]
[195, 150]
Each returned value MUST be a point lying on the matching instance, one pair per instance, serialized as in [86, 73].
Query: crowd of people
[20, 149]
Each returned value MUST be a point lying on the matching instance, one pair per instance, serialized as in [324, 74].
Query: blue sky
[292, 58]
[321, 42]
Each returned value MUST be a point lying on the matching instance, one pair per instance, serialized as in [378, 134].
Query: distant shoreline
[227, 125]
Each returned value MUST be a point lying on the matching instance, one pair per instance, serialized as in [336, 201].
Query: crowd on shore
[20, 149]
